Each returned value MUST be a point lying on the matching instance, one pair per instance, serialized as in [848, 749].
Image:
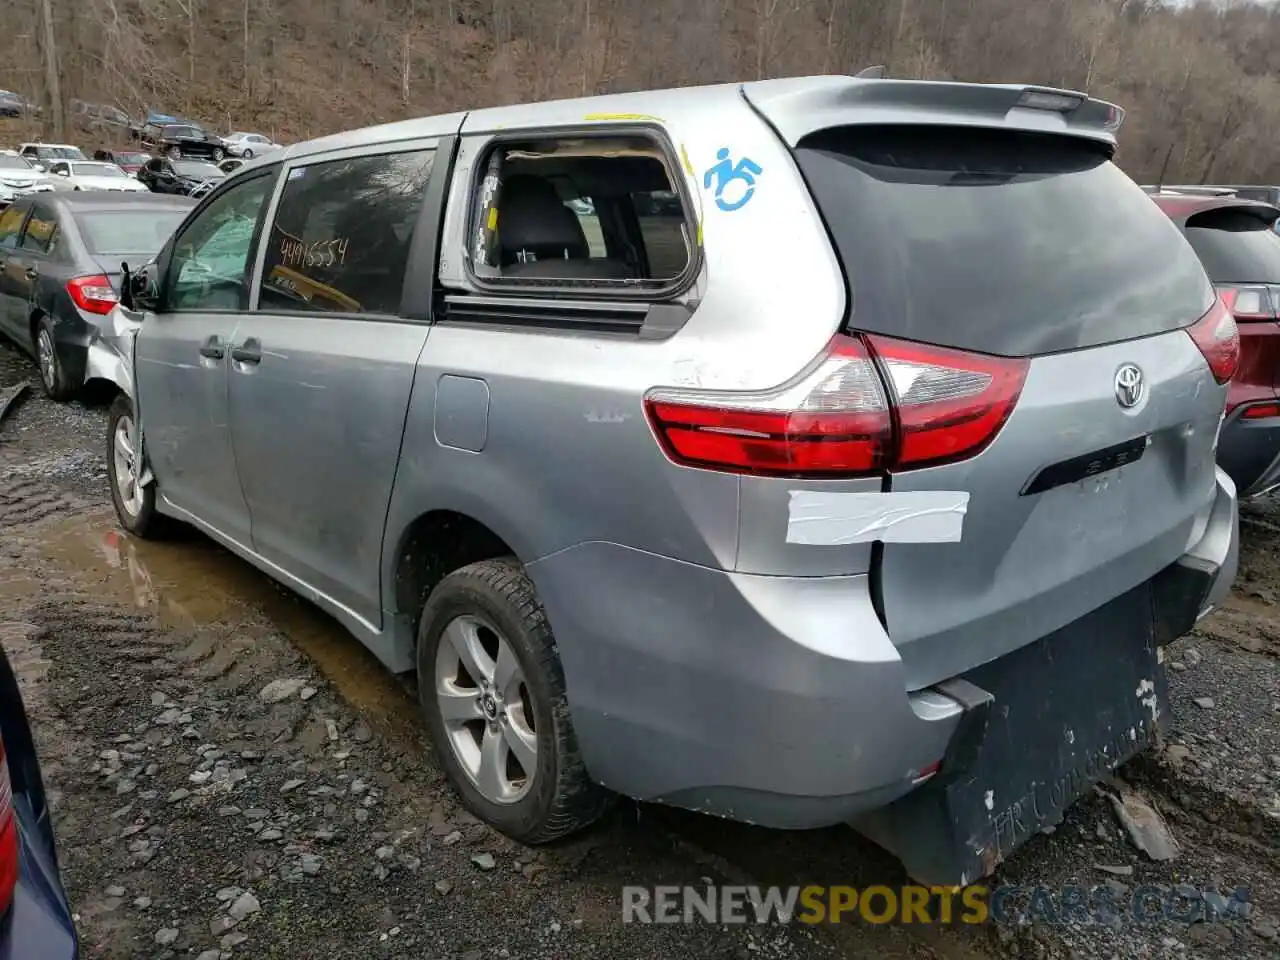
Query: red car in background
[1237, 244]
[130, 161]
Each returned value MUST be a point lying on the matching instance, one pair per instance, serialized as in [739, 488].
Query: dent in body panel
[683, 678]
[1032, 564]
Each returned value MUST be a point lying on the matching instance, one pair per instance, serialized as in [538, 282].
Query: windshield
[60, 153]
[1235, 246]
[998, 241]
[194, 168]
[96, 170]
[119, 233]
[13, 163]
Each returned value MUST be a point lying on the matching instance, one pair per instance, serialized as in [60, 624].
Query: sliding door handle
[213, 349]
[248, 352]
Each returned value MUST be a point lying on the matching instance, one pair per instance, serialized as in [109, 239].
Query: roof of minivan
[802, 104]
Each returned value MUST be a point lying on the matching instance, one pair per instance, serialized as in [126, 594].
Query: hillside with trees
[1200, 82]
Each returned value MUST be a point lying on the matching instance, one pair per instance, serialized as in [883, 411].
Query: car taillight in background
[8, 838]
[1249, 303]
[1218, 339]
[869, 404]
[92, 294]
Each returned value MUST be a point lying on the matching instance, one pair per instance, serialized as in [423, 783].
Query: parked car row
[44, 167]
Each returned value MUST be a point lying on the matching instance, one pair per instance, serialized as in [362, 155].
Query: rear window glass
[998, 242]
[1235, 247]
[119, 232]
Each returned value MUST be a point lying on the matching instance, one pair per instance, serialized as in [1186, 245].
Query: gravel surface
[232, 775]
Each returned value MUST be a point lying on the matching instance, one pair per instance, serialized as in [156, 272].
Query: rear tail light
[92, 294]
[948, 404]
[1218, 339]
[8, 838]
[1248, 304]
[868, 404]
[1261, 411]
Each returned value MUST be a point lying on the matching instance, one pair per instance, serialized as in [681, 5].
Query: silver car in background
[802, 452]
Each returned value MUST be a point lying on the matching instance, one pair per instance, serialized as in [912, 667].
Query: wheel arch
[434, 544]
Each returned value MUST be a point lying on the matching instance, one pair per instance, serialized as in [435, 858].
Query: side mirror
[140, 290]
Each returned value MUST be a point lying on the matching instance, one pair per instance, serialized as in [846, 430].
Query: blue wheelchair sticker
[726, 172]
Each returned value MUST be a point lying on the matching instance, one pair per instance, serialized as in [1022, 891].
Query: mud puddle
[192, 582]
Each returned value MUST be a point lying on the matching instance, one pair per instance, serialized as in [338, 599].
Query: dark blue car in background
[35, 919]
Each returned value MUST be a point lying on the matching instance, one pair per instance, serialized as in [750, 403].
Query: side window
[41, 230]
[11, 225]
[153, 166]
[212, 257]
[662, 224]
[597, 212]
[340, 240]
[62, 169]
[585, 210]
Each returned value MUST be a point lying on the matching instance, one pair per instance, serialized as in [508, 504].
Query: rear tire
[53, 378]
[491, 608]
[174, 153]
[135, 505]
[248, 154]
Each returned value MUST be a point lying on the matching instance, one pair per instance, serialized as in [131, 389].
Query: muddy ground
[198, 818]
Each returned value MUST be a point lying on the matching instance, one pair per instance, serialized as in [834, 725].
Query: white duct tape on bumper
[825, 518]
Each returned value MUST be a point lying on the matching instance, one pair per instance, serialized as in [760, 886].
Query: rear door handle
[213, 349]
[248, 352]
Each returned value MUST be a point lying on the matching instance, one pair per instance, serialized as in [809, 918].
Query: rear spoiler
[1190, 191]
[799, 106]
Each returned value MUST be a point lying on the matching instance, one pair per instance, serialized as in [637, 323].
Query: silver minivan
[802, 452]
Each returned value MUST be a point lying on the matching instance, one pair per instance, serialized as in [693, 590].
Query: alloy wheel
[48, 359]
[126, 468]
[484, 699]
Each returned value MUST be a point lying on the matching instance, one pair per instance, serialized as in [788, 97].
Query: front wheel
[135, 504]
[492, 690]
[218, 154]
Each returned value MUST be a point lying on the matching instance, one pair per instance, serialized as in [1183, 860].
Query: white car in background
[18, 178]
[249, 145]
[42, 154]
[95, 175]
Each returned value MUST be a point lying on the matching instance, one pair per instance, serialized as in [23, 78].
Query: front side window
[41, 231]
[340, 240]
[580, 212]
[212, 257]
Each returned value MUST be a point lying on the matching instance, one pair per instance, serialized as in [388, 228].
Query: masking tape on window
[826, 518]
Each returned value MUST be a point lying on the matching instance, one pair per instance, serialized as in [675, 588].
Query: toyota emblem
[1129, 386]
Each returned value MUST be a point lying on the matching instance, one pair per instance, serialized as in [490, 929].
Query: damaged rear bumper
[1042, 724]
